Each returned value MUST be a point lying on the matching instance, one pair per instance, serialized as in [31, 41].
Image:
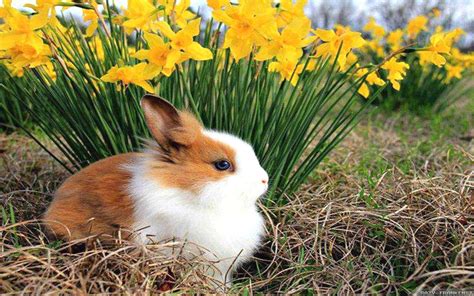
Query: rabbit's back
[94, 201]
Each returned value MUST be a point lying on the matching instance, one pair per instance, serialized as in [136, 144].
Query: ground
[391, 210]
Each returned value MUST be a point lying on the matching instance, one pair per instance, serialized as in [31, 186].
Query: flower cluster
[440, 52]
[279, 36]
[22, 45]
[169, 30]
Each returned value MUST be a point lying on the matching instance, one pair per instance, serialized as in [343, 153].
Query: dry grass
[391, 211]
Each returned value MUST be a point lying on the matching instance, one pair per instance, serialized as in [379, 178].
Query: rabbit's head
[214, 168]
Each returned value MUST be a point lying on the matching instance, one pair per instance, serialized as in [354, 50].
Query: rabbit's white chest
[227, 232]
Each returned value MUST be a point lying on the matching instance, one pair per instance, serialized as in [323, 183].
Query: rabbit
[192, 184]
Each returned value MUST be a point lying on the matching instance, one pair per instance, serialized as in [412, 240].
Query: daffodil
[291, 40]
[90, 15]
[13, 69]
[466, 60]
[21, 43]
[377, 30]
[288, 67]
[395, 39]
[30, 54]
[376, 47]
[453, 71]
[217, 4]
[351, 59]
[396, 71]
[138, 75]
[49, 70]
[439, 44]
[416, 25]
[436, 12]
[345, 39]
[7, 10]
[140, 14]
[20, 28]
[178, 12]
[454, 36]
[159, 54]
[249, 25]
[43, 4]
[371, 79]
[47, 7]
[289, 11]
[182, 44]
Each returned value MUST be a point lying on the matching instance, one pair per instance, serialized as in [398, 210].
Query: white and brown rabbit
[196, 185]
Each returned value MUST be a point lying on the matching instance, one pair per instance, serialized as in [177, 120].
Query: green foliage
[8, 218]
[12, 112]
[291, 128]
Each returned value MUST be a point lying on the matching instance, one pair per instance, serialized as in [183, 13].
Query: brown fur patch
[93, 201]
[192, 166]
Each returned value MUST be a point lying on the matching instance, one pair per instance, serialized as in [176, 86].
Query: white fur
[222, 218]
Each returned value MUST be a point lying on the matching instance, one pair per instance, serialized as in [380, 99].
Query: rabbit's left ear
[170, 127]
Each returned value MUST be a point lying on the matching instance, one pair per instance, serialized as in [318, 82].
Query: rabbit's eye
[222, 165]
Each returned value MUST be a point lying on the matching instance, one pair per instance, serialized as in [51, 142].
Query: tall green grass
[12, 111]
[292, 128]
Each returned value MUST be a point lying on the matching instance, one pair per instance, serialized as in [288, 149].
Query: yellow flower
[436, 12]
[288, 11]
[178, 12]
[43, 4]
[98, 48]
[13, 69]
[20, 28]
[20, 42]
[371, 79]
[351, 59]
[140, 14]
[396, 71]
[249, 23]
[182, 43]
[30, 54]
[439, 43]
[48, 69]
[454, 35]
[416, 25]
[466, 60]
[376, 47]
[288, 68]
[138, 74]
[7, 10]
[453, 72]
[291, 40]
[344, 39]
[395, 39]
[374, 28]
[90, 15]
[217, 4]
[158, 54]
[47, 7]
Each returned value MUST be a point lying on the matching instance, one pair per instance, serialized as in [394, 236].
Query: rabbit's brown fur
[94, 201]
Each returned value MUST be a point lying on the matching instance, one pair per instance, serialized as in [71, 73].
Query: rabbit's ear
[167, 125]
